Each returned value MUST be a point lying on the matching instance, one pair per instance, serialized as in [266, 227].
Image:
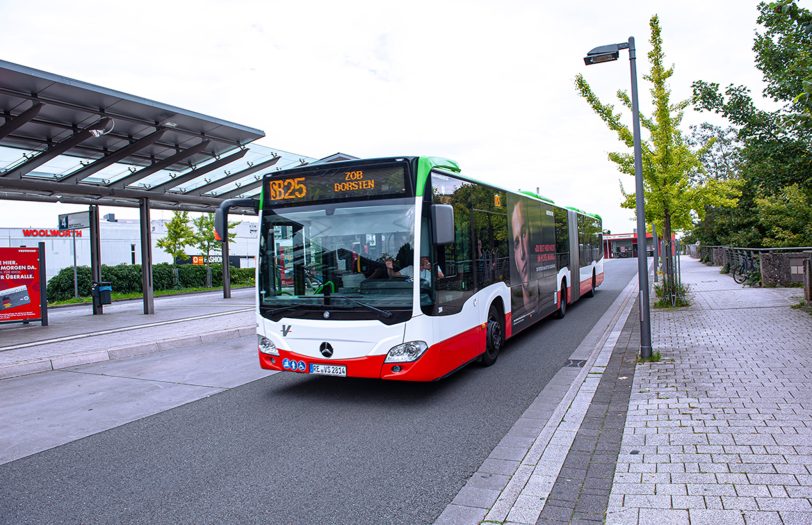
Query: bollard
[808, 280]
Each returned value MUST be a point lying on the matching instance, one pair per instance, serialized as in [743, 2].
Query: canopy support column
[146, 257]
[95, 254]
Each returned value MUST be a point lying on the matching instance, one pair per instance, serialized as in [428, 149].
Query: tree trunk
[669, 279]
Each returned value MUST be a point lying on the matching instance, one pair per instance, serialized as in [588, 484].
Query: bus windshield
[341, 257]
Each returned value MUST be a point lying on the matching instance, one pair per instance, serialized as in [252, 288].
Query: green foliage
[786, 217]
[668, 161]
[655, 358]
[60, 286]
[179, 235]
[775, 146]
[675, 296]
[803, 306]
[126, 278]
[675, 185]
[203, 235]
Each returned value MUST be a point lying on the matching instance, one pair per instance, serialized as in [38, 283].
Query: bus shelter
[63, 140]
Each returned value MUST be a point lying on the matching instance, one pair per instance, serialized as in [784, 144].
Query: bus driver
[425, 270]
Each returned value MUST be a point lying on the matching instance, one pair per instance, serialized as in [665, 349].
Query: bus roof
[426, 164]
[537, 196]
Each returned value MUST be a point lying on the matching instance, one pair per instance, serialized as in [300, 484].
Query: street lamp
[610, 53]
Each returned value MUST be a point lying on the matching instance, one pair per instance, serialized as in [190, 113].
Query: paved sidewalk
[720, 430]
[74, 336]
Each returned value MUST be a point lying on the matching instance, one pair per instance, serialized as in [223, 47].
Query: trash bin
[102, 291]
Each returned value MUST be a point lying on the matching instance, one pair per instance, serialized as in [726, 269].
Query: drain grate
[575, 363]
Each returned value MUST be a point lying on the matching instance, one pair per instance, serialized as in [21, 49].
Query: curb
[507, 490]
[119, 352]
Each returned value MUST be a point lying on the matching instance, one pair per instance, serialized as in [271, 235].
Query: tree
[787, 217]
[674, 194]
[722, 160]
[776, 156]
[179, 235]
[203, 235]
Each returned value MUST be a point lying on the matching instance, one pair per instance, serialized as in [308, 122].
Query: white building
[120, 243]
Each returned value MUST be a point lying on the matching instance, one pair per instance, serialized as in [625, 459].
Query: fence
[759, 266]
[676, 249]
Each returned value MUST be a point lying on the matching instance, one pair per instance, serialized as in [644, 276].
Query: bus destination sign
[335, 184]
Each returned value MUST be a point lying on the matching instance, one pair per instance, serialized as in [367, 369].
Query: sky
[487, 84]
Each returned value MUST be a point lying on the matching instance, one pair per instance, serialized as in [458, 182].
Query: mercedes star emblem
[326, 349]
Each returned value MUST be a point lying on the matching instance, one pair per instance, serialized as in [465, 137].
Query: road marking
[124, 329]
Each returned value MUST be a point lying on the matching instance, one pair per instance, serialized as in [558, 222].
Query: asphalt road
[299, 449]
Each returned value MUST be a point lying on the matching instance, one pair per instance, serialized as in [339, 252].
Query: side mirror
[221, 215]
[442, 220]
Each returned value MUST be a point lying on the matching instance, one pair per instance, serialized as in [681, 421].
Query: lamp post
[610, 53]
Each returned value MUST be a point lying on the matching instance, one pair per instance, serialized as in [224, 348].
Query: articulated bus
[403, 269]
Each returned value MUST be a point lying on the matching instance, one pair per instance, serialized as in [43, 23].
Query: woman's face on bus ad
[520, 242]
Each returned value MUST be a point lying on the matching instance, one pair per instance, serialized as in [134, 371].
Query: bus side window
[456, 259]
[562, 238]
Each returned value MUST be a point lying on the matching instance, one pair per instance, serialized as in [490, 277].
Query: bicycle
[744, 268]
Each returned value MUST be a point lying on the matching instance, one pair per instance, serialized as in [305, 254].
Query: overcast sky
[488, 84]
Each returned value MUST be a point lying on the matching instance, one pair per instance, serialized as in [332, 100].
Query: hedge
[126, 278]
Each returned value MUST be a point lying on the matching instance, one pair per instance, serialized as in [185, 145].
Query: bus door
[544, 259]
[575, 260]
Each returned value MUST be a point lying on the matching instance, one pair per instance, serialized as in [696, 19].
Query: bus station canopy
[63, 140]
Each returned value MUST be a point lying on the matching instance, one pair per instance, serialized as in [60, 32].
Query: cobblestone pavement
[581, 492]
[720, 430]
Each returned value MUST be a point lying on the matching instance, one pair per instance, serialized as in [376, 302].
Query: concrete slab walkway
[74, 336]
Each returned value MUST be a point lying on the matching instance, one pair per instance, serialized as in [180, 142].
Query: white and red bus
[403, 269]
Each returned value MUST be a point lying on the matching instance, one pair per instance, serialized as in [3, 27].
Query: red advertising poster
[19, 284]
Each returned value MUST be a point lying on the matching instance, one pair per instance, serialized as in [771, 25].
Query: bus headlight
[266, 346]
[406, 353]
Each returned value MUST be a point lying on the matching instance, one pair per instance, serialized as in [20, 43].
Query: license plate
[328, 370]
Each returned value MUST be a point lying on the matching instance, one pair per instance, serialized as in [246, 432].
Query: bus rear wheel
[562, 304]
[591, 292]
[494, 337]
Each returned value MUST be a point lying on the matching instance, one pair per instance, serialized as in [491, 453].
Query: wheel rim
[495, 329]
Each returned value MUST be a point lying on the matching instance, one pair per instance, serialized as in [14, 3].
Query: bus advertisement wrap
[19, 284]
[532, 257]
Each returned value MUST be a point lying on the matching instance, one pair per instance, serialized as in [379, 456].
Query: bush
[126, 278]
[60, 287]
[665, 299]
[162, 276]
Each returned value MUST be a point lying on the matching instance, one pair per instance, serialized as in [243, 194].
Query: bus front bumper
[432, 365]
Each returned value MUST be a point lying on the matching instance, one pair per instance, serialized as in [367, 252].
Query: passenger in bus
[524, 297]
[425, 270]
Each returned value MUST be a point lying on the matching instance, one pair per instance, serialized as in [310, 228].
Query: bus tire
[591, 292]
[562, 304]
[494, 336]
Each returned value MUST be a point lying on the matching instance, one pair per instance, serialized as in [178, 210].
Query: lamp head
[606, 53]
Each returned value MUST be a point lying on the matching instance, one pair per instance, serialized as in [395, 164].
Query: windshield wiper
[386, 314]
[280, 310]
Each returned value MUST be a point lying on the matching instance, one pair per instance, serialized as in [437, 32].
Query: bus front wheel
[494, 337]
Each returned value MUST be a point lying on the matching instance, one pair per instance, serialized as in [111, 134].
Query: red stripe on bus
[358, 367]
[442, 358]
[439, 360]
